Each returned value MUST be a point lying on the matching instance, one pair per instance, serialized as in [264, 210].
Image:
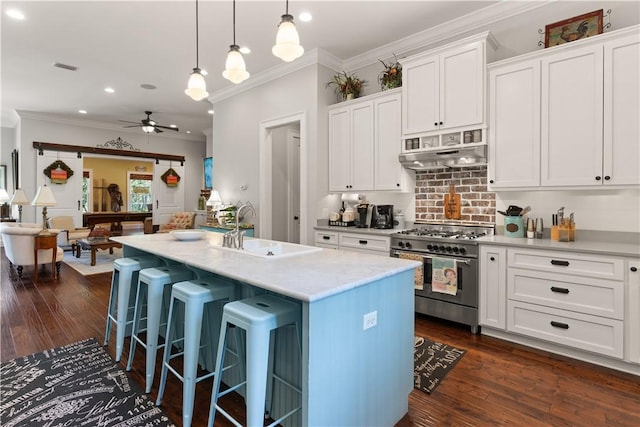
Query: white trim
[265, 214]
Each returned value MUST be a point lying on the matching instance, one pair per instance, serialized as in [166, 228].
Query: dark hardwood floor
[495, 384]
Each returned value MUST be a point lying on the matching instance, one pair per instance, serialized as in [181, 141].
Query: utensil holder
[513, 226]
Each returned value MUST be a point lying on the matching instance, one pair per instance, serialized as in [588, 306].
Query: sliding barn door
[169, 198]
[68, 195]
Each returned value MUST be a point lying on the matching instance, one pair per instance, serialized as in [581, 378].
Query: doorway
[283, 212]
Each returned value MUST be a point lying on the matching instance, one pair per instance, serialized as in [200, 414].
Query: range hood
[451, 157]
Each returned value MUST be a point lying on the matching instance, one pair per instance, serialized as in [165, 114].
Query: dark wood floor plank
[496, 383]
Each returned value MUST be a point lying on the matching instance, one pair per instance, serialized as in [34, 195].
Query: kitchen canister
[399, 221]
[514, 226]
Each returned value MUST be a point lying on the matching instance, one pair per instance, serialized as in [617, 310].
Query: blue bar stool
[258, 316]
[123, 280]
[151, 288]
[194, 295]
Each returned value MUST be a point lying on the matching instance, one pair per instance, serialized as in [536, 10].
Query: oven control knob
[455, 249]
[407, 245]
[430, 247]
[463, 250]
[401, 244]
[448, 248]
[441, 248]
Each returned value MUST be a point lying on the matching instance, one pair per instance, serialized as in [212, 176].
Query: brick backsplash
[478, 205]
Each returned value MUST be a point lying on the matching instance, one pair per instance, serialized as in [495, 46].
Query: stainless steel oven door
[467, 273]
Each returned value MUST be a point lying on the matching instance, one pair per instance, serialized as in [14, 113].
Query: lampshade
[197, 87]
[214, 198]
[19, 198]
[235, 68]
[44, 197]
[4, 196]
[287, 45]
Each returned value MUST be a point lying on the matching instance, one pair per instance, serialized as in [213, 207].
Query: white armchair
[18, 242]
[68, 232]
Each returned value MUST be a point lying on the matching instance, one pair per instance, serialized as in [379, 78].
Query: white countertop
[307, 277]
[594, 246]
[356, 230]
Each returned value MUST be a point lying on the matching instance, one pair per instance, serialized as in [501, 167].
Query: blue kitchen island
[352, 373]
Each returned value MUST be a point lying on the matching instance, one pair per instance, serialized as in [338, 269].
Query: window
[140, 189]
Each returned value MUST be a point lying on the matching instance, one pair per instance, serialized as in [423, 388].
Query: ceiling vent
[65, 66]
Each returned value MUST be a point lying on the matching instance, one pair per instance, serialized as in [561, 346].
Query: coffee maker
[384, 216]
[365, 212]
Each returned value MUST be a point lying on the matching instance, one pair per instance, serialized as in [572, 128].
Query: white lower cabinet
[584, 303]
[347, 241]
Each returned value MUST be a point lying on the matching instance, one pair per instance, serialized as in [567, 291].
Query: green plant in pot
[391, 76]
[347, 86]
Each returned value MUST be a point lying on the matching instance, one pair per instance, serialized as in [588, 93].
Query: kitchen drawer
[364, 251]
[325, 246]
[327, 238]
[600, 266]
[585, 332]
[360, 241]
[576, 293]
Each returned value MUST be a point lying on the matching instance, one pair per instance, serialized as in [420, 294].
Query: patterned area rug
[104, 261]
[432, 361]
[75, 385]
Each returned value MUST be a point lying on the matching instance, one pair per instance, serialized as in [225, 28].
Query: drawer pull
[559, 325]
[634, 269]
[558, 262]
[559, 290]
[363, 242]
[326, 237]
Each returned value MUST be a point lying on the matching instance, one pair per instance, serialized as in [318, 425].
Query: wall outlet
[370, 320]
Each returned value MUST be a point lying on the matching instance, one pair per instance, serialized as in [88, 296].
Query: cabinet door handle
[435, 124]
[363, 242]
[490, 181]
[440, 123]
[492, 258]
[598, 178]
[634, 269]
[558, 262]
[559, 325]
[607, 177]
[78, 204]
[559, 290]
[326, 237]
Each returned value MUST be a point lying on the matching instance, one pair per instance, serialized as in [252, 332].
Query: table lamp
[44, 197]
[20, 199]
[215, 202]
[4, 198]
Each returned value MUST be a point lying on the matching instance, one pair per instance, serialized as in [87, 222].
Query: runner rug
[432, 361]
[75, 385]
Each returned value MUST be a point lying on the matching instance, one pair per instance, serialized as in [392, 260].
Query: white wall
[32, 128]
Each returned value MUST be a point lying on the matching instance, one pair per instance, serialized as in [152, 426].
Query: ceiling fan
[149, 125]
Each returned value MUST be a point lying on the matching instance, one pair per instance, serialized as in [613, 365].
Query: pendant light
[287, 45]
[235, 68]
[196, 88]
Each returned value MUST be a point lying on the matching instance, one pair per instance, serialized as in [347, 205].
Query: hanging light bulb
[147, 128]
[235, 69]
[287, 45]
[196, 88]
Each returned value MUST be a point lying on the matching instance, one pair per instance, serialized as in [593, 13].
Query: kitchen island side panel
[359, 377]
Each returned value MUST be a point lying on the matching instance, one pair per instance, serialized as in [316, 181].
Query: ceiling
[125, 44]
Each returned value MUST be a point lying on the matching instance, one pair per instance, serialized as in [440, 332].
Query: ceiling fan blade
[166, 127]
[133, 126]
[157, 130]
[126, 121]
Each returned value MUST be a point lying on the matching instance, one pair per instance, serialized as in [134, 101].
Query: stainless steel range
[447, 285]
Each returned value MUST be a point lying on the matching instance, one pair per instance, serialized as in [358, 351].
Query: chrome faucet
[235, 238]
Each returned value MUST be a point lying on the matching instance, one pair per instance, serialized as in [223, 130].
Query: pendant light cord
[197, 48]
[234, 22]
[287, 7]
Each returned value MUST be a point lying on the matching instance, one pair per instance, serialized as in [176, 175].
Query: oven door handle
[397, 254]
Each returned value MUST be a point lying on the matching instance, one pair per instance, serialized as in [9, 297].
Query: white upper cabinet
[444, 88]
[567, 117]
[364, 144]
[514, 125]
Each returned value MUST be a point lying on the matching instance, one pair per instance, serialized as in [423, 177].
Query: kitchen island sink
[269, 249]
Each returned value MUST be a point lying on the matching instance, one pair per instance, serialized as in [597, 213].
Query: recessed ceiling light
[82, 111]
[210, 111]
[245, 50]
[305, 17]
[15, 14]
[188, 131]
[109, 90]
[148, 86]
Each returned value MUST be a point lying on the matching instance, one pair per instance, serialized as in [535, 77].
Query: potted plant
[347, 86]
[391, 76]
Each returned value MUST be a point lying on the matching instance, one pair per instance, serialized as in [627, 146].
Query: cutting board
[452, 204]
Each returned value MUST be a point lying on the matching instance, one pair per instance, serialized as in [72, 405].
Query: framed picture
[3, 177]
[572, 29]
[208, 173]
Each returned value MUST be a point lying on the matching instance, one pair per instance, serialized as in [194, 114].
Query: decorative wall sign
[118, 144]
[58, 172]
[171, 178]
[572, 29]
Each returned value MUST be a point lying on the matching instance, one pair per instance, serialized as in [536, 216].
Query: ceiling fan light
[235, 68]
[196, 88]
[147, 128]
[287, 45]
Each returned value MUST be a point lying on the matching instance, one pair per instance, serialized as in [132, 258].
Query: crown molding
[33, 115]
[444, 32]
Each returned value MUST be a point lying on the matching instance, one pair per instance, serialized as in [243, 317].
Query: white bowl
[188, 234]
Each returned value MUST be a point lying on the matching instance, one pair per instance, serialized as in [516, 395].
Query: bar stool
[123, 280]
[194, 295]
[154, 281]
[258, 316]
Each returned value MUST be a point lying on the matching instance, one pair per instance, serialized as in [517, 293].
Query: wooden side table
[45, 241]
